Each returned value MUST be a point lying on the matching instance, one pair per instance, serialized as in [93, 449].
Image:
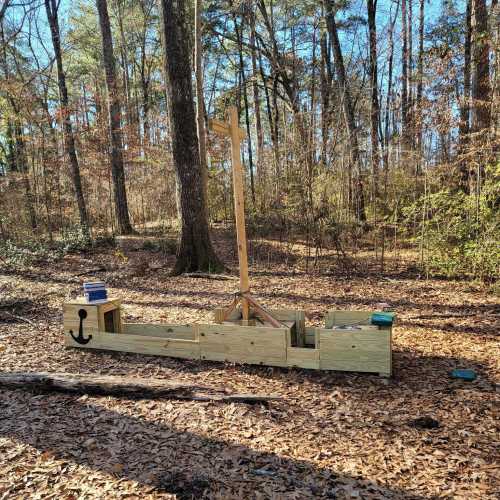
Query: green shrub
[459, 234]
[166, 246]
[150, 246]
[104, 241]
[17, 256]
[73, 240]
[30, 251]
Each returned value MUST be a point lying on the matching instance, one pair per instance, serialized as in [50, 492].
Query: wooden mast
[239, 208]
[237, 135]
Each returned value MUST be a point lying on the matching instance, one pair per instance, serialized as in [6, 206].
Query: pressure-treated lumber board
[72, 320]
[366, 349]
[163, 330]
[347, 317]
[137, 388]
[107, 304]
[379, 367]
[362, 337]
[239, 206]
[95, 314]
[219, 315]
[223, 128]
[311, 337]
[302, 357]
[357, 350]
[299, 317]
[279, 314]
[176, 348]
[284, 315]
[243, 344]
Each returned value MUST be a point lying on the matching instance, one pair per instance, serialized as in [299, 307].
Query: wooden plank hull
[303, 357]
[362, 348]
[140, 344]
[244, 344]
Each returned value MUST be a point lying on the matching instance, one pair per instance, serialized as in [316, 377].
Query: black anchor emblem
[80, 339]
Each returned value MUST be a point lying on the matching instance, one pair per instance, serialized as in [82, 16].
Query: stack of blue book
[95, 290]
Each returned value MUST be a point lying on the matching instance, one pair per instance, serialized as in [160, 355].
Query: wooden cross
[237, 135]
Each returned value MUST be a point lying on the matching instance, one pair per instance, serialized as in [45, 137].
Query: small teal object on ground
[382, 318]
[468, 375]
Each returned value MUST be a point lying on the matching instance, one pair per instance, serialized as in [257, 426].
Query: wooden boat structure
[347, 342]
[245, 331]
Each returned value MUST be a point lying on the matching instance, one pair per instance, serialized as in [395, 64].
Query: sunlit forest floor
[333, 435]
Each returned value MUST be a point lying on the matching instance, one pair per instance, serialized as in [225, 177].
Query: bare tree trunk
[51, 7]
[375, 109]
[410, 73]
[115, 129]
[3, 9]
[22, 168]
[15, 140]
[269, 112]
[256, 103]
[195, 252]
[388, 101]
[359, 201]
[464, 127]
[146, 127]
[200, 102]
[325, 84]
[404, 80]
[124, 57]
[495, 84]
[243, 81]
[481, 88]
[420, 70]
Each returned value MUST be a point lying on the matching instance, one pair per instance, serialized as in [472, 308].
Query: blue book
[98, 285]
[96, 295]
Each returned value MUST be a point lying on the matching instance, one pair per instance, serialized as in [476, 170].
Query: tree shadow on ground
[411, 369]
[160, 304]
[320, 298]
[441, 320]
[22, 309]
[487, 312]
[474, 329]
[170, 460]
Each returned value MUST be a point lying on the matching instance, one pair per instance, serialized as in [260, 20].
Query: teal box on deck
[382, 318]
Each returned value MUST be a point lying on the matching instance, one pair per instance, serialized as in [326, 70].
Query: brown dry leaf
[333, 434]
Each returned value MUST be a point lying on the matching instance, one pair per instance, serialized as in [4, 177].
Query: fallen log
[133, 388]
[88, 272]
[210, 276]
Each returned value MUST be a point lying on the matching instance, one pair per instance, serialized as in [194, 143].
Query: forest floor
[333, 435]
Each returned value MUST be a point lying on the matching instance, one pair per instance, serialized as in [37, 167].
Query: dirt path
[334, 435]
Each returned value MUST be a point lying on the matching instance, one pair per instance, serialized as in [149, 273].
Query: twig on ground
[91, 271]
[21, 318]
[221, 277]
